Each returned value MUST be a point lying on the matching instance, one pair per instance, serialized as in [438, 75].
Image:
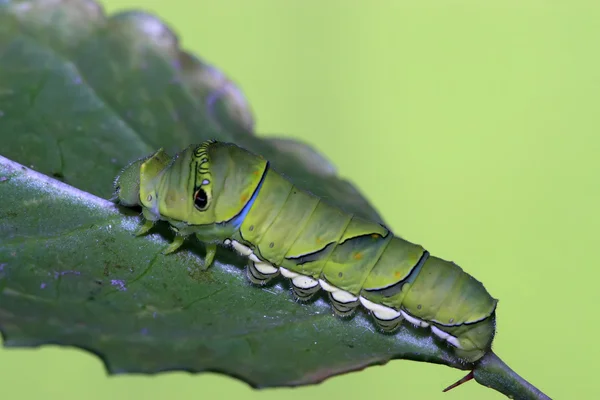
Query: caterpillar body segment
[228, 196]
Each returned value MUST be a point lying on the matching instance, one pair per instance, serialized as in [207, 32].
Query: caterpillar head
[135, 178]
[127, 185]
[204, 184]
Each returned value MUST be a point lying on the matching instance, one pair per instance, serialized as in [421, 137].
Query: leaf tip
[467, 378]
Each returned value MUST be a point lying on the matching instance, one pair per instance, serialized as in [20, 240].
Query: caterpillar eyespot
[280, 229]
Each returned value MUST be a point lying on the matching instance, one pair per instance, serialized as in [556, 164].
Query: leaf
[80, 96]
[102, 289]
[149, 95]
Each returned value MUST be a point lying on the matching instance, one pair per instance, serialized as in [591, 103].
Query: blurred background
[472, 128]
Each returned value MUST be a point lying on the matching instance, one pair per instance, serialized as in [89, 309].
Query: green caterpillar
[226, 195]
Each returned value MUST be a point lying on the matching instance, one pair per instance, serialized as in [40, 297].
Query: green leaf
[82, 94]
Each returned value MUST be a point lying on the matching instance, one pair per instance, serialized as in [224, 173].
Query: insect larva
[283, 230]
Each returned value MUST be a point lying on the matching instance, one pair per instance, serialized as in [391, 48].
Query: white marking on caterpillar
[287, 273]
[343, 296]
[304, 282]
[413, 320]
[265, 268]
[446, 336]
[381, 312]
[240, 248]
[338, 294]
[439, 332]
[453, 341]
[326, 286]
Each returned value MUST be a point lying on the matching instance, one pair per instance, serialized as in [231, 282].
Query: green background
[472, 128]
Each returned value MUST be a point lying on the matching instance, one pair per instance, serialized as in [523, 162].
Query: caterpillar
[228, 196]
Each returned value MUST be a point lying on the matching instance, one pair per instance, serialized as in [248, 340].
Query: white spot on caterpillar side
[453, 341]
[381, 312]
[338, 294]
[265, 268]
[326, 286]
[414, 321]
[240, 248]
[287, 273]
[445, 336]
[439, 332]
[343, 296]
[304, 282]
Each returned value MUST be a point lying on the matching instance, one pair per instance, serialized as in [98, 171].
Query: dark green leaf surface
[78, 276]
[80, 96]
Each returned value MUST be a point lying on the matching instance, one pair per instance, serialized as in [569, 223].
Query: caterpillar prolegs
[226, 195]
